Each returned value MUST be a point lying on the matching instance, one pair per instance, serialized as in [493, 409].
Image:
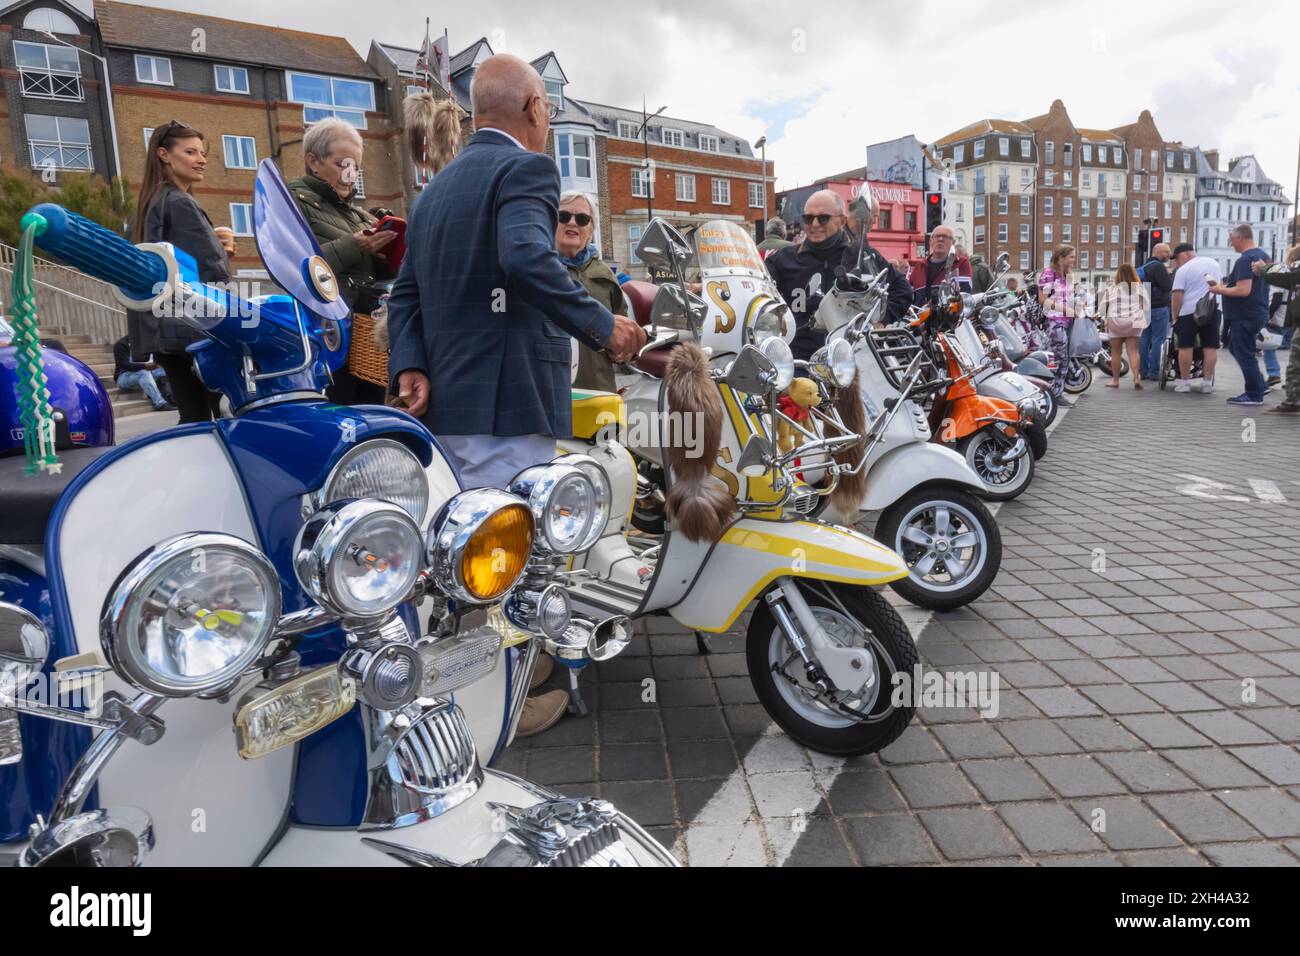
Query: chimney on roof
[1212, 157]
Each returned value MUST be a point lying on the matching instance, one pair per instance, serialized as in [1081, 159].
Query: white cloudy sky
[822, 78]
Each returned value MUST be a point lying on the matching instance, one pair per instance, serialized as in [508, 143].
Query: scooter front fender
[752, 554]
[897, 472]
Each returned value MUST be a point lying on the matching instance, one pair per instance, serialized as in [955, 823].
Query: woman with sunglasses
[573, 241]
[174, 163]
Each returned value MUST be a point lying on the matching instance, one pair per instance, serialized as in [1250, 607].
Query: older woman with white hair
[346, 233]
[574, 232]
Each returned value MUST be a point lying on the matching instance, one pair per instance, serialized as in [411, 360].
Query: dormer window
[555, 93]
[672, 137]
[708, 144]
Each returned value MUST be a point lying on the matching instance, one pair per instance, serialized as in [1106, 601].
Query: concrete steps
[100, 360]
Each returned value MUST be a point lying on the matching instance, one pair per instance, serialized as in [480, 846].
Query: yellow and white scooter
[823, 645]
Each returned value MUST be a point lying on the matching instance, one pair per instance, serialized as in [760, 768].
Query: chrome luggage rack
[894, 349]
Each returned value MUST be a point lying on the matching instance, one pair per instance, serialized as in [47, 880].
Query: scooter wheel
[1050, 415]
[1078, 378]
[1002, 480]
[950, 542]
[855, 616]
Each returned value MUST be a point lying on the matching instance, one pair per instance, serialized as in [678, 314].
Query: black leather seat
[27, 500]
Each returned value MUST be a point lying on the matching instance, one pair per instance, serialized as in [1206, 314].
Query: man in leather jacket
[805, 272]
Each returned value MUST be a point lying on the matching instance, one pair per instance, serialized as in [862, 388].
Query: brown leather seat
[640, 296]
[655, 362]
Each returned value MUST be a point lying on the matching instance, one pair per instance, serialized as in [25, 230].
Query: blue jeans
[1153, 337]
[1271, 368]
[143, 381]
[1241, 343]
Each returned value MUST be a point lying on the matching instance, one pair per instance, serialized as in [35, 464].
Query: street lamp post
[644, 133]
[108, 93]
[761, 145]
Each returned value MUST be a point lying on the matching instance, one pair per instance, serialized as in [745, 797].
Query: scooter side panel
[752, 554]
[207, 804]
[898, 471]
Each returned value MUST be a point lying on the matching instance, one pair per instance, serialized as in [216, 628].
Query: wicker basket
[365, 360]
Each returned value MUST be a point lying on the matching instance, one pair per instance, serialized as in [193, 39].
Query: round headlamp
[381, 468]
[191, 615]
[833, 364]
[359, 558]
[769, 322]
[565, 504]
[604, 495]
[778, 353]
[479, 544]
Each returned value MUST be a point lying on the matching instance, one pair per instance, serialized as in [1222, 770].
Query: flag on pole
[441, 60]
[422, 59]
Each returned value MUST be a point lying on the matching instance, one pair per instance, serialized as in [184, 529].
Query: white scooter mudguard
[899, 470]
[207, 804]
[752, 554]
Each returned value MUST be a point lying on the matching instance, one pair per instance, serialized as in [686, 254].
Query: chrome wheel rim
[804, 700]
[981, 454]
[944, 544]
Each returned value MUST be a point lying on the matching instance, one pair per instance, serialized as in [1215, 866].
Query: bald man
[943, 262]
[1160, 281]
[482, 311]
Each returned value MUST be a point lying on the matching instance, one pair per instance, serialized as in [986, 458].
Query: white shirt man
[1192, 283]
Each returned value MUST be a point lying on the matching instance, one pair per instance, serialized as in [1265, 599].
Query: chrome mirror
[752, 373]
[756, 458]
[116, 837]
[677, 308]
[663, 247]
[1003, 263]
[24, 646]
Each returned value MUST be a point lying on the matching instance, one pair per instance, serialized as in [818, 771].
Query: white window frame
[246, 209]
[1003, 204]
[153, 62]
[331, 107]
[1024, 205]
[978, 151]
[1067, 206]
[1137, 182]
[979, 235]
[1047, 232]
[979, 204]
[721, 187]
[1069, 177]
[229, 140]
[1085, 206]
[1067, 154]
[554, 96]
[627, 129]
[1085, 232]
[672, 137]
[1114, 259]
[756, 190]
[959, 153]
[234, 70]
[1114, 233]
[1137, 208]
[1024, 149]
[1049, 153]
[1049, 176]
[706, 138]
[1087, 152]
[634, 231]
[1084, 259]
[1024, 232]
[1151, 208]
[643, 186]
[1048, 206]
[57, 152]
[1002, 232]
[571, 156]
[1004, 146]
[1024, 261]
[1067, 231]
[148, 134]
[684, 179]
[48, 83]
[1114, 208]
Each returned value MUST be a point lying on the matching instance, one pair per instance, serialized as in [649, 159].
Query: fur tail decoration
[432, 130]
[699, 504]
[848, 494]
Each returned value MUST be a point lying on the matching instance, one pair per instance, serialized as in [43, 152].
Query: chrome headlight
[565, 504]
[777, 351]
[834, 364]
[380, 468]
[604, 494]
[191, 615]
[1028, 408]
[769, 322]
[359, 559]
[479, 544]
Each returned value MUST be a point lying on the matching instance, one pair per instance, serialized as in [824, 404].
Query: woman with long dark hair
[175, 161]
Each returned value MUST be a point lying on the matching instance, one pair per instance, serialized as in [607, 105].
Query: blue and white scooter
[283, 638]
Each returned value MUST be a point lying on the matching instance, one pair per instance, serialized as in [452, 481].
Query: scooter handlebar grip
[97, 251]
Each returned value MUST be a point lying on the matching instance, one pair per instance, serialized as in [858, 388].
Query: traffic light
[1141, 247]
[1157, 237]
[933, 212]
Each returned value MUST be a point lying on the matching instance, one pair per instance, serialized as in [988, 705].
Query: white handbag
[1268, 340]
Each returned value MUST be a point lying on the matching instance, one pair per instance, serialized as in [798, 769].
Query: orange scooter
[989, 432]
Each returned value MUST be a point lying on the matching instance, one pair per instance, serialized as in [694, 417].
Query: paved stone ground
[1125, 688]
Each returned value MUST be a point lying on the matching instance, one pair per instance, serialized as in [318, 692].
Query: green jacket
[595, 370]
[773, 242]
[334, 222]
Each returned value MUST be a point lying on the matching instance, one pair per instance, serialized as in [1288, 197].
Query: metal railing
[51, 84]
[68, 301]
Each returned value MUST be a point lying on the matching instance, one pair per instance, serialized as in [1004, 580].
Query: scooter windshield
[725, 248]
[289, 250]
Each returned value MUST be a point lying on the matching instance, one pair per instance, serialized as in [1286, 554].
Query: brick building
[1029, 187]
[52, 101]
[252, 90]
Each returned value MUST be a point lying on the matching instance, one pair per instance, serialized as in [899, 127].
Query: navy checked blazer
[482, 304]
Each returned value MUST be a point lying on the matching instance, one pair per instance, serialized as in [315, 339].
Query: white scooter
[280, 638]
[823, 646]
